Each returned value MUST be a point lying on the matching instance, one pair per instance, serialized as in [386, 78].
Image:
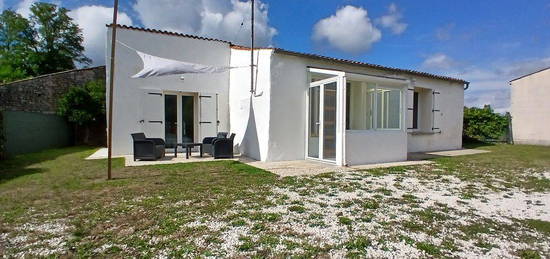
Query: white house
[530, 108]
[304, 106]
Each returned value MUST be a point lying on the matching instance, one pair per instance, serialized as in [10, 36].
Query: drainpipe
[466, 86]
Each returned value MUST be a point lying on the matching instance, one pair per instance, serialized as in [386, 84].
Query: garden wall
[28, 110]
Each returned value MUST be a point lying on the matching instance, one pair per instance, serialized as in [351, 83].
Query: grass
[60, 184]
[165, 209]
[505, 163]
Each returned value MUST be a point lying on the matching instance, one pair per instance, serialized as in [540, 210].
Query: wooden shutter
[152, 113]
[208, 119]
[436, 112]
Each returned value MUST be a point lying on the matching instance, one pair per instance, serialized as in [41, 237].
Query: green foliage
[16, 41]
[84, 104]
[484, 124]
[47, 42]
[59, 39]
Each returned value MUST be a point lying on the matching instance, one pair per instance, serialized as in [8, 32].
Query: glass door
[329, 121]
[179, 119]
[170, 120]
[322, 120]
[187, 119]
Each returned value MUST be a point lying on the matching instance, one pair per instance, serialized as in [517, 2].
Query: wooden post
[111, 86]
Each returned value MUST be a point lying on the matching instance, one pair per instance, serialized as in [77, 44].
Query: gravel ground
[395, 214]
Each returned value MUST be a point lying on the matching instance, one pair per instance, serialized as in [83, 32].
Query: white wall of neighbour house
[288, 116]
[128, 92]
[250, 114]
[530, 109]
[448, 120]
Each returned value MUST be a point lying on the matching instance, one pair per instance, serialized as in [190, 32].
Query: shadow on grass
[24, 164]
[474, 143]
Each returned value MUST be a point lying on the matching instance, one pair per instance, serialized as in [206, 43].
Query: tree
[49, 41]
[16, 41]
[484, 124]
[59, 41]
[84, 105]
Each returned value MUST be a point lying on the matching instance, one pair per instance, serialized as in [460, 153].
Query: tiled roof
[353, 62]
[166, 33]
[288, 52]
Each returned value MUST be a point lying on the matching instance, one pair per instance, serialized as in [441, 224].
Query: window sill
[423, 132]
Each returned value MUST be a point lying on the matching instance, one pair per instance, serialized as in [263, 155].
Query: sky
[484, 42]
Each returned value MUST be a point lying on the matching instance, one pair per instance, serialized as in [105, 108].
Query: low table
[188, 147]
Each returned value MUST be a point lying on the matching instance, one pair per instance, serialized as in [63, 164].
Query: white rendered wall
[450, 102]
[530, 109]
[288, 116]
[375, 146]
[127, 92]
[249, 118]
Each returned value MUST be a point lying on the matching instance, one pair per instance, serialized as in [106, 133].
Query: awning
[157, 66]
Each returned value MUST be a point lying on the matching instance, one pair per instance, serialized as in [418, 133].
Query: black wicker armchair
[220, 146]
[148, 148]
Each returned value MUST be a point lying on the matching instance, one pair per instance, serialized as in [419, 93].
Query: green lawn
[57, 203]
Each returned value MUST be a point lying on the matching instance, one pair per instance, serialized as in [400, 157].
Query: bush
[484, 124]
[83, 105]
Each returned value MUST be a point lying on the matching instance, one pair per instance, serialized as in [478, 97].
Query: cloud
[438, 61]
[1, 4]
[211, 18]
[24, 8]
[488, 84]
[392, 20]
[92, 19]
[349, 30]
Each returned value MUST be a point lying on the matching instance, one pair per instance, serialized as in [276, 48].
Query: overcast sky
[484, 42]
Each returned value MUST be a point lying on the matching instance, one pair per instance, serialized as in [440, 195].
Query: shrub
[484, 124]
[83, 104]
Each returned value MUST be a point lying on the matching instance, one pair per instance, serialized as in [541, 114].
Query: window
[370, 106]
[360, 104]
[415, 111]
[388, 109]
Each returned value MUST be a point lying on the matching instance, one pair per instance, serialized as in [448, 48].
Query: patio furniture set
[145, 148]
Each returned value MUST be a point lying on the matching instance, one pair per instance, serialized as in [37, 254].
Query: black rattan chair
[147, 148]
[223, 147]
[207, 142]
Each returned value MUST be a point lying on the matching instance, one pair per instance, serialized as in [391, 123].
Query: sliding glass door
[322, 120]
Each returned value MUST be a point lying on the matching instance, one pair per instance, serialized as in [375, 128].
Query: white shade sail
[157, 66]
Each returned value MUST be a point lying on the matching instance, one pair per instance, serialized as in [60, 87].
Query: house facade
[301, 106]
[530, 108]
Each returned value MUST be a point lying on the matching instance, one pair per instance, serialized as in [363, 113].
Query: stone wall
[41, 94]
[28, 119]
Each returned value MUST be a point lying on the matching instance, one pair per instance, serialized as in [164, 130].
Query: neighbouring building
[305, 106]
[28, 108]
[530, 108]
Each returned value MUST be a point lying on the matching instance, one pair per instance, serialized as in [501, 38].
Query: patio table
[188, 147]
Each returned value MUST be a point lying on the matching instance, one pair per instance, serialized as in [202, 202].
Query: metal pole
[111, 86]
[252, 50]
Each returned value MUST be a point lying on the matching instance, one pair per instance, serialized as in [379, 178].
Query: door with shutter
[152, 111]
[208, 118]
